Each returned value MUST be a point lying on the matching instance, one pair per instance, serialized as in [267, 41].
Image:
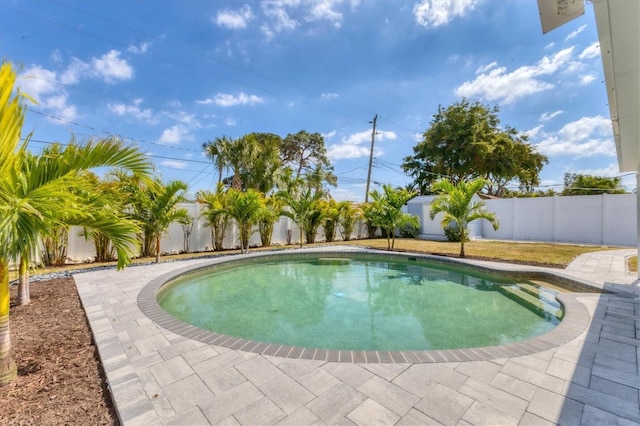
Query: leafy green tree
[215, 212]
[455, 201]
[306, 154]
[579, 184]
[512, 159]
[466, 141]
[246, 208]
[33, 189]
[387, 212]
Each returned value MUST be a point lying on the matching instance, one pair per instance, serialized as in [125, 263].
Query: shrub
[454, 233]
[409, 230]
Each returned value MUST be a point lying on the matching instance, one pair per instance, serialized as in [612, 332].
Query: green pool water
[361, 303]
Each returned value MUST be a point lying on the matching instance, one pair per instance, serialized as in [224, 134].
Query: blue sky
[169, 75]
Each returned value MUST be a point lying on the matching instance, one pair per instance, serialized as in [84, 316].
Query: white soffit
[618, 23]
[554, 13]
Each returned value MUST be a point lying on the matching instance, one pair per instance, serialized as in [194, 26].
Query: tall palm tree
[34, 188]
[457, 204]
[215, 150]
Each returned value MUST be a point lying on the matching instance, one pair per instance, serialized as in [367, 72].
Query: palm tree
[331, 211]
[300, 207]
[386, 211]
[34, 188]
[272, 212]
[246, 208]
[457, 204]
[215, 204]
[349, 214]
[161, 203]
[215, 150]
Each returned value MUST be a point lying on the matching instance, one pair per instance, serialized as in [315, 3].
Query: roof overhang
[619, 34]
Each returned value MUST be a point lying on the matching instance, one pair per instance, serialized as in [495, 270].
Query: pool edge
[574, 323]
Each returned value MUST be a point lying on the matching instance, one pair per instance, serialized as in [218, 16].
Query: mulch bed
[60, 379]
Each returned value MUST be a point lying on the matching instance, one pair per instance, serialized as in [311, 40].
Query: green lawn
[544, 254]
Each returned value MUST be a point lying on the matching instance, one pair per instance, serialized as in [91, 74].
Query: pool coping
[574, 322]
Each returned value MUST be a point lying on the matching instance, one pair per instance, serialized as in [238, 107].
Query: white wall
[589, 219]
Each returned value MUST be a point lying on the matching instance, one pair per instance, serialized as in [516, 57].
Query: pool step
[540, 307]
[542, 293]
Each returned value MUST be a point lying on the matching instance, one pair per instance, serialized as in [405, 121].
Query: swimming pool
[360, 302]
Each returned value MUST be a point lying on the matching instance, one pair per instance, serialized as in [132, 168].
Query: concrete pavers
[159, 377]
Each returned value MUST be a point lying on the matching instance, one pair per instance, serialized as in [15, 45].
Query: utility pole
[373, 138]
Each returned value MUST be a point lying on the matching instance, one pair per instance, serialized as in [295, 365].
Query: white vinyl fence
[590, 219]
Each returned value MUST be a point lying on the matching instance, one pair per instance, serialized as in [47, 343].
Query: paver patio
[159, 377]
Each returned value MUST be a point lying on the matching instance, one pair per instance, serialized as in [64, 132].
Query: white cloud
[75, 71]
[507, 87]
[56, 56]
[591, 51]
[612, 170]
[110, 67]
[329, 95]
[342, 194]
[41, 85]
[230, 122]
[174, 135]
[434, 13]
[585, 137]
[329, 135]
[574, 34]
[227, 100]
[533, 133]
[235, 19]
[546, 116]
[141, 49]
[354, 146]
[176, 164]
[323, 10]
[280, 19]
[134, 111]
[587, 78]
[486, 68]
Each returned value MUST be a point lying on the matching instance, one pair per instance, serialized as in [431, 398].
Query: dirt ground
[59, 377]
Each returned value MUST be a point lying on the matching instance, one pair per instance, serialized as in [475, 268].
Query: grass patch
[542, 254]
[632, 263]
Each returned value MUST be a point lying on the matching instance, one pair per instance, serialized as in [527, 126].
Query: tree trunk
[8, 369]
[157, 249]
[300, 236]
[23, 282]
